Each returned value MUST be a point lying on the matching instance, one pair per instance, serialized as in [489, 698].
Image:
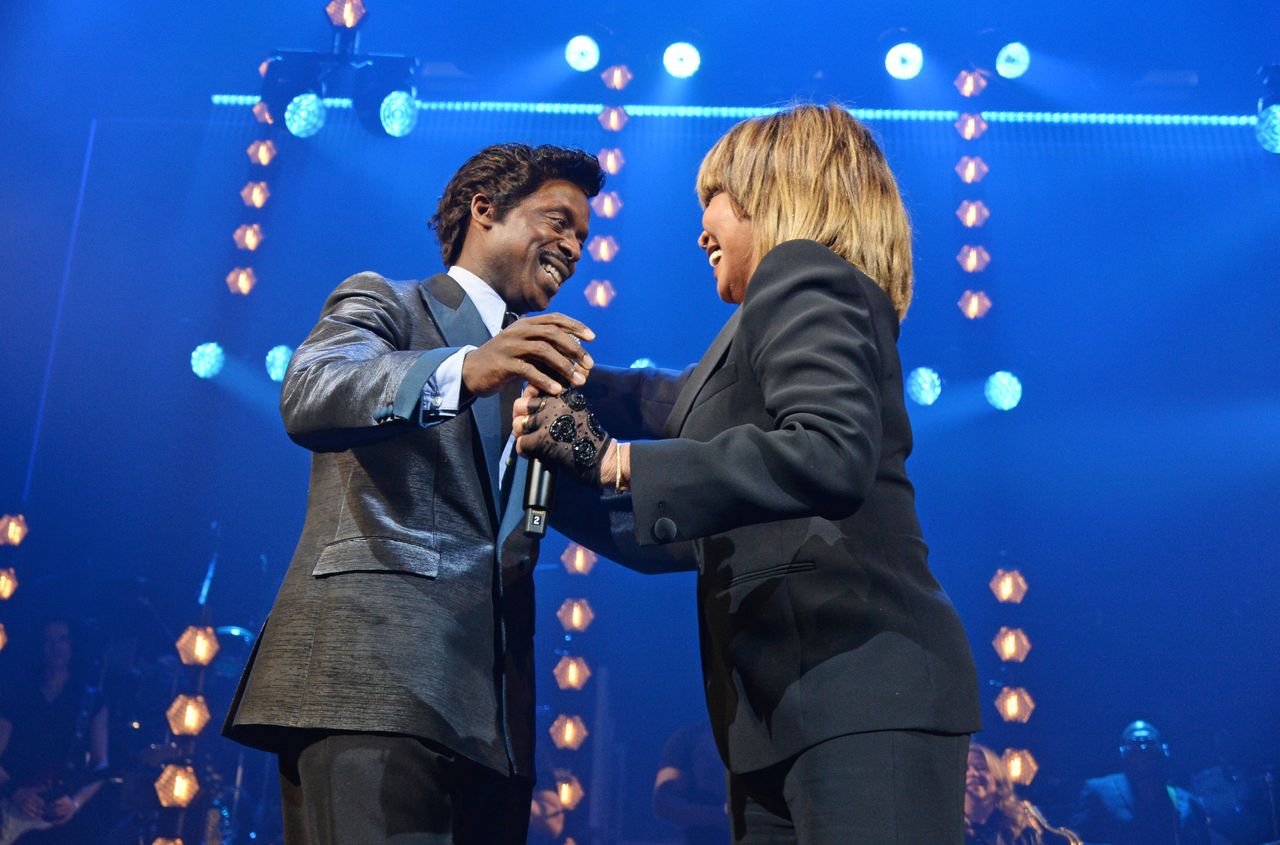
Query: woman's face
[979, 786]
[730, 246]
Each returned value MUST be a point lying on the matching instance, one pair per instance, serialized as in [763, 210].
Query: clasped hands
[551, 418]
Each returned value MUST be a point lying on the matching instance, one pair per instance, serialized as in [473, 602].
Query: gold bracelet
[617, 467]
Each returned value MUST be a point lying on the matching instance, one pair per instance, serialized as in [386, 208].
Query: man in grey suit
[394, 675]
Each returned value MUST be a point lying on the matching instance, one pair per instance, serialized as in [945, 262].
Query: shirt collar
[486, 300]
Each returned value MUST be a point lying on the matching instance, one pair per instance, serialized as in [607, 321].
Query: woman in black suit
[838, 677]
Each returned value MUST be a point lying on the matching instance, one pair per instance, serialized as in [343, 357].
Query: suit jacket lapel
[460, 324]
[709, 364]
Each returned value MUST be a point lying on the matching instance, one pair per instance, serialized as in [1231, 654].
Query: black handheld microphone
[539, 490]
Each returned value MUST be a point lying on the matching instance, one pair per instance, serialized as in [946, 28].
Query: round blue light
[278, 361]
[1003, 391]
[207, 360]
[582, 53]
[904, 61]
[1268, 128]
[304, 116]
[1013, 60]
[399, 113]
[643, 364]
[924, 385]
[682, 60]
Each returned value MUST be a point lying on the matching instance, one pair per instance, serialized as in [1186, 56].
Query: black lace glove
[563, 432]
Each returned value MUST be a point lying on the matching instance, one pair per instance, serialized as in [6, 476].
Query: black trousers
[880, 788]
[368, 789]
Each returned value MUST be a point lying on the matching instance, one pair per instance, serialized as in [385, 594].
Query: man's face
[534, 249]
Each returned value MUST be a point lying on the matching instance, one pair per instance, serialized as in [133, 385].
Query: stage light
[385, 95]
[187, 715]
[260, 110]
[1009, 586]
[8, 583]
[611, 160]
[241, 280]
[207, 360]
[1013, 60]
[617, 77]
[1020, 765]
[177, 786]
[304, 115]
[970, 83]
[607, 204]
[904, 61]
[578, 560]
[974, 259]
[1015, 704]
[255, 194]
[924, 386]
[582, 53]
[600, 293]
[971, 169]
[262, 152]
[971, 126]
[248, 237]
[1268, 129]
[973, 214]
[568, 790]
[681, 60]
[603, 249]
[575, 615]
[197, 646]
[643, 364]
[164, 840]
[1003, 391]
[974, 304]
[568, 732]
[345, 13]
[1012, 645]
[4, 637]
[278, 361]
[13, 529]
[613, 118]
[572, 673]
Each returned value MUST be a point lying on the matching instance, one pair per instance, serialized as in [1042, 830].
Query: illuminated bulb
[600, 293]
[974, 304]
[1012, 645]
[260, 110]
[262, 152]
[607, 204]
[4, 637]
[603, 249]
[1015, 704]
[572, 673]
[970, 83]
[617, 77]
[971, 169]
[971, 126]
[575, 615]
[974, 259]
[1020, 765]
[568, 732]
[241, 280]
[176, 786]
[569, 790]
[973, 213]
[197, 646]
[255, 194]
[578, 560]
[187, 715]
[8, 583]
[1009, 586]
[613, 118]
[13, 529]
[611, 160]
[345, 13]
[248, 237]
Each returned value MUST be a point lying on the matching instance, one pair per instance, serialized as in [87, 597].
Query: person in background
[689, 791]
[993, 812]
[1138, 806]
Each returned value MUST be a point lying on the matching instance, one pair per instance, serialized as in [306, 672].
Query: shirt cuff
[441, 395]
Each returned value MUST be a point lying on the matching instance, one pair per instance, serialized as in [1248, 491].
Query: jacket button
[664, 530]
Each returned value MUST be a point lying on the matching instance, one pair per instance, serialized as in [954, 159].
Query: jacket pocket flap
[377, 554]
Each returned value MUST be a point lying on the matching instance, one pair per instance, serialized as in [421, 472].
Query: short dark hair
[506, 174]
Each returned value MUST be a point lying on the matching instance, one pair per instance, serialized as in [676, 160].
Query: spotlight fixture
[924, 386]
[568, 732]
[970, 83]
[575, 615]
[261, 152]
[241, 280]
[971, 126]
[568, 790]
[1015, 704]
[904, 60]
[1013, 60]
[582, 53]
[1003, 391]
[607, 204]
[13, 529]
[1268, 128]
[971, 169]
[278, 361]
[617, 77]
[973, 213]
[974, 259]
[8, 583]
[613, 118]
[600, 293]
[197, 646]
[572, 673]
[385, 96]
[255, 194]
[682, 60]
[1012, 645]
[603, 249]
[1020, 765]
[207, 360]
[611, 160]
[578, 560]
[294, 91]
[1008, 586]
[974, 304]
[187, 715]
[177, 786]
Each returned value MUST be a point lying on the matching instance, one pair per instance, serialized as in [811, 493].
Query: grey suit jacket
[408, 605]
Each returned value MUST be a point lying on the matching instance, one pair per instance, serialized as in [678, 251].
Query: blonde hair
[815, 172]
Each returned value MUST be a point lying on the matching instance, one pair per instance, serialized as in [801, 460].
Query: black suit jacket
[1108, 814]
[781, 476]
[408, 605]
